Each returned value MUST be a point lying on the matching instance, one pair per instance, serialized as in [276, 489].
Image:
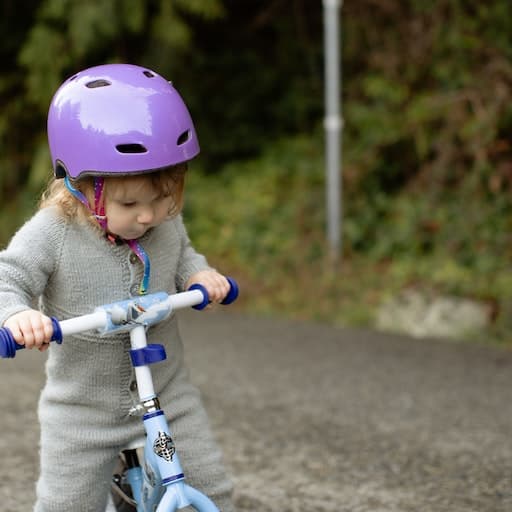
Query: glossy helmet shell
[118, 119]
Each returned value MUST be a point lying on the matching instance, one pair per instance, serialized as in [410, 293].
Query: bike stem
[142, 373]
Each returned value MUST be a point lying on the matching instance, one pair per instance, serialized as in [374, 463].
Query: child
[109, 227]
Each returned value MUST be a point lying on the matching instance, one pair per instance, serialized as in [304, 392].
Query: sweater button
[134, 289]
[133, 259]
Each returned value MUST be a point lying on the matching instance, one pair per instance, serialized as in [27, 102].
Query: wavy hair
[170, 182]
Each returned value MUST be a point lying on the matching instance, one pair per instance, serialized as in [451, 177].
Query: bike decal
[164, 446]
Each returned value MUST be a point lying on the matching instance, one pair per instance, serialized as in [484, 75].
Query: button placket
[135, 274]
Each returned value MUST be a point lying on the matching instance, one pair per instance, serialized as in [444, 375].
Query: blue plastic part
[8, 345]
[153, 353]
[199, 501]
[206, 298]
[57, 331]
[174, 478]
[228, 299]
[150, 415]
[179, 495]
[144, 310]
[233, 292]
[135, 479]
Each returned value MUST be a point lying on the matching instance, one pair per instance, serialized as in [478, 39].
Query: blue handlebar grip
[206, 298]
[233, 292]
[230, 297]
[8, 345]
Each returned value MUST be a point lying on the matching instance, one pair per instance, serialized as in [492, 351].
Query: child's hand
[216, 284]
[30, 328]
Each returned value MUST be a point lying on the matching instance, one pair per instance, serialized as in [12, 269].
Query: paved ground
[316, 419]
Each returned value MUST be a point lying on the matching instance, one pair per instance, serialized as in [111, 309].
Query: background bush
[427, 170]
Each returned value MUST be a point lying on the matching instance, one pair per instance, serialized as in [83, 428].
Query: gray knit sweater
[83, 409]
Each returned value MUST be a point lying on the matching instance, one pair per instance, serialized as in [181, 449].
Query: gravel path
[318, 419]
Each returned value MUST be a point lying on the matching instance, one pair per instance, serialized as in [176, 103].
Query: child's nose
[146, 215]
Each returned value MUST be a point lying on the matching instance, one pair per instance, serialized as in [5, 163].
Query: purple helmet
[118, 119]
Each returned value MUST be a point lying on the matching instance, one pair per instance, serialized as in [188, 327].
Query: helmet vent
[131, 148]
[183, 138]
[149, 74]
[60, 169]
[97, 83]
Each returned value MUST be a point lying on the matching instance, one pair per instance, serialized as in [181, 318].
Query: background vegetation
[427, 141]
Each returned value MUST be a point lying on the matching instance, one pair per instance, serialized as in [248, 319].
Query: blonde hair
[170, 182]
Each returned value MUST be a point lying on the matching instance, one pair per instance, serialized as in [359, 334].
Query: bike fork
[160, 454]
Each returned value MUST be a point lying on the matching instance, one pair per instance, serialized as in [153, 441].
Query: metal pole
[333, 125]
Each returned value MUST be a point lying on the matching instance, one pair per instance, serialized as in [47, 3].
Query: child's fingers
[27, 332]
[216, 284]
[32, 329]
[219, 288]
[41, 329]
[47, 328]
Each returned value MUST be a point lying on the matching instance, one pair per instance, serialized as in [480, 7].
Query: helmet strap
[99, 203]
[99, 206]
[137, 248]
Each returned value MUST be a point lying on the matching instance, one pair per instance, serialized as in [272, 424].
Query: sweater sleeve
[190, 261]
[28, 262]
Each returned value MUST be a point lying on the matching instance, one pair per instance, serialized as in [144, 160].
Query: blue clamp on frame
[153, 353]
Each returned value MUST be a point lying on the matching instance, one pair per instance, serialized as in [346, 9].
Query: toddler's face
[133, 205]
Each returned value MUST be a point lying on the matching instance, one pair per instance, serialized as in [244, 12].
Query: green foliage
[438, 82]
[58, 38]
[427, 107]
[263, 219]
[258, 213]
[71, 35]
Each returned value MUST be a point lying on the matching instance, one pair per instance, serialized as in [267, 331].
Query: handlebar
[125, 315]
